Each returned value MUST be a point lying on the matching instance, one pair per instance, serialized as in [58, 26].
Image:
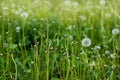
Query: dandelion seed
[64, 53]
[92, 13]
[32, 62]
[98, 7]
[67, 2]
[83, 18]
[19, 44]
[5, 8]
[72, 43]
[75, 4]
[113, 67]
[108, 15]
[107, 52]
[93, 63]
[34, 29]
[115, 31]
[18, 11]
[5, 45]
[86, 42]
[78, 58]
[69, 56]
[6, 32]
[18, 29]
[102, 2]
[97, 48]
[76, 42]
[56, 48]
[1, 54]
[24, 15]
[112, 56]
[99, 55]
[38, 43]
[74, 66]
[51, 48]
[69, 27]
[70, 37]
[105, 65]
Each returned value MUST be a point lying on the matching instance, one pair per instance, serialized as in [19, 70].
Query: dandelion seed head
[97, 48]
[107, 15]
[86, 42]
[1, 54]
[5, 8]
[75, 4]
[5, 45]
[24, 15]
[18, 29]
[102, 2]
[78, 58]
[34, 29]
[67, 2]
[93, 63]
[83, 18]
[112, 56]
[114, 67]
[115, 31]
[98, 7]
[32, 62]
[7, 32]
[105, 65]
[70, 37]
[107, 52]
[69, 27]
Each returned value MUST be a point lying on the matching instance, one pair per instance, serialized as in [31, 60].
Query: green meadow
[59, 40]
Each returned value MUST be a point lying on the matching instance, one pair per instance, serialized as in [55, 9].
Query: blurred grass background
[48, 46]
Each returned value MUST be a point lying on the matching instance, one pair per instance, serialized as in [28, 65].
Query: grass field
[59, 40]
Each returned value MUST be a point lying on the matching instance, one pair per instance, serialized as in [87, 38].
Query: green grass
[48, 45]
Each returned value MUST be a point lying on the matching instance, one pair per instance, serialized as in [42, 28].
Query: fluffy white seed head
[67, 2]
[97, 48]
[115, 31]
[102, 2]
[112, 56]
[18, 29]
[24, 15]
[86, 42]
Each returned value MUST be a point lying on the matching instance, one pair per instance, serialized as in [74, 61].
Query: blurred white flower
[5, 8]
[5, 45]
[93, 63]
[115, 31]
[70, 37]
[102, 2]
[34, 29]
[97, 48]
[107, 15]
[32, 62]
[67, 2]
[86, 42]
[16, 12]
[107, 52]
[83, 18]
[7, 32]
[98, 7]
[24, 15]
[69, 27]
[75, 4]
[114, 67]
[92, 13]
[18, 29]
[112, 56]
